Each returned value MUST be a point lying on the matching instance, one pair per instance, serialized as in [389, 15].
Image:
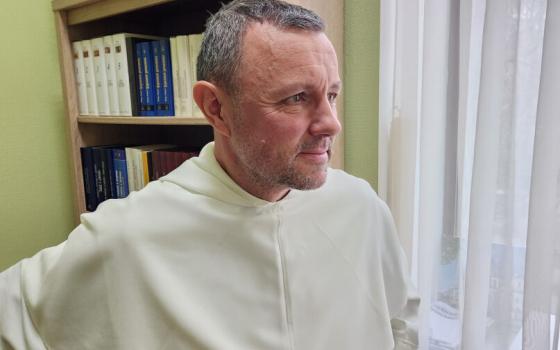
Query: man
[255, 244]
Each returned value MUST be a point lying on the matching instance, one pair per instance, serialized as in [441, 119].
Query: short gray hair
[220, 55]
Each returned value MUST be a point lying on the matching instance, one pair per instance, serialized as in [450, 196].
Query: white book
[195, 42]
[185, 81]
[175, 75]
[109, 51]
[89, 78]
[100, 76]
[131, 166]
[123, 80]
[80, 77]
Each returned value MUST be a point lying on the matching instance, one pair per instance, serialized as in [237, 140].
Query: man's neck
[246, 180]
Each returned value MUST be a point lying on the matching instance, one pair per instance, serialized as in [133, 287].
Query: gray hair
[220, 55]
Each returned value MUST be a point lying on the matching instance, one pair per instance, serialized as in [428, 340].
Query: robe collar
[204, 175]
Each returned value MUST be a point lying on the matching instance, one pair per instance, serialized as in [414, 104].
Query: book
[101, 189]
[80, 77]
[113, 91]
[165, 105]
[121, 175]
[175, 75]
[185, 81]
[195, 42]
[89, 76]
[149, 79]
[89, 178]
[109, 172]
[127, 75]
[100, 73]
[141, 91]
[157, 88]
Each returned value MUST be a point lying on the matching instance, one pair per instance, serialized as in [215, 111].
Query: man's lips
[316, 155]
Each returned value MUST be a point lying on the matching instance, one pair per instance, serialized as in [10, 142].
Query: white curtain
[469, 163]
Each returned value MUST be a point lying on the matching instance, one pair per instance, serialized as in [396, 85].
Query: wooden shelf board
[143, 120]
[93, 10]
[58, 5]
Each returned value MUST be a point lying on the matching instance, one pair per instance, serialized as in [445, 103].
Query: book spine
[151, 174]
[149, 81]
[89, 78]
[113, 91]
[110, 173]
[130, 169]
[124, 70]
[119, 164]
[100, 188]
[141, 91]
[145, 168]
[156, 165]
[80, 77]
[167, 105]
[100, 70]
[185, 88]
[195, 42]
[106, 176]
[89, 178]
[139, 169]
[175, 76]
[155, 53]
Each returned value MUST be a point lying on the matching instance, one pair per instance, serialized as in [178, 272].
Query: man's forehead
[265, 38]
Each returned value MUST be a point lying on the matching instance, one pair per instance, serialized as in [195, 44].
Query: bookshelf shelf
[142, 120]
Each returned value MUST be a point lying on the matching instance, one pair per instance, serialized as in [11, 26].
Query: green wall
[361, 76]
[36, 200]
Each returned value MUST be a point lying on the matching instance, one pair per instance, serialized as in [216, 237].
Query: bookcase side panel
[71, 106]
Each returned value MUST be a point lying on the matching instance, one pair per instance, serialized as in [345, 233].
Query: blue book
[100, 183]
[109, 173]
[155, 47]
[166, 106]
[121, 174]
[149, 79]
[141, 92]
[89, 178]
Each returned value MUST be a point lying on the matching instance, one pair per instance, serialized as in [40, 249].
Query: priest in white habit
[255, 244]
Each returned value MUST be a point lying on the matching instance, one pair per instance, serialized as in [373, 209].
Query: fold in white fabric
[194, 262]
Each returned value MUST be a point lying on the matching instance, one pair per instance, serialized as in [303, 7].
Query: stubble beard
[270, 170]
[267, 171]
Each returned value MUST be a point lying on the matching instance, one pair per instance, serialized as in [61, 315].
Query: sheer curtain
[470, 165]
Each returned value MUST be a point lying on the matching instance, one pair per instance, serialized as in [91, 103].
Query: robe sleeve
[17, 330]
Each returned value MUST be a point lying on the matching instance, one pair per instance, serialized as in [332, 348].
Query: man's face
[284, 119]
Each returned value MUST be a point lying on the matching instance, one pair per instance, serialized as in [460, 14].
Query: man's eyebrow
[337, 85]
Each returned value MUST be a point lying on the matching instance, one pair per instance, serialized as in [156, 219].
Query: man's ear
[212, 101]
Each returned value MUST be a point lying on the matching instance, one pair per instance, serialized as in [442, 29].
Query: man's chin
[310, 182]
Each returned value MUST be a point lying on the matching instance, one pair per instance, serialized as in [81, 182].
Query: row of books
[136, 75]
[113, 171]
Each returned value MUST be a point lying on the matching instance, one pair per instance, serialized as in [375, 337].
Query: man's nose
[325, 119]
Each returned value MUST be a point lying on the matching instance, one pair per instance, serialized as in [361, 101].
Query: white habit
[194, 262]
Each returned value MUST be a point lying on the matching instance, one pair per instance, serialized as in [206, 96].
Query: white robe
[194, 262]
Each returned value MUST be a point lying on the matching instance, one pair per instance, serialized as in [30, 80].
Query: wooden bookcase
[86, 19]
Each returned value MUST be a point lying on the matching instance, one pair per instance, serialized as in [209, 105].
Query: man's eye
[332, 97]
[297, 98]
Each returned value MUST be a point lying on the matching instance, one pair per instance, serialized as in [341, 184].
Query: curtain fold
[473, 188]
[542, 285]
